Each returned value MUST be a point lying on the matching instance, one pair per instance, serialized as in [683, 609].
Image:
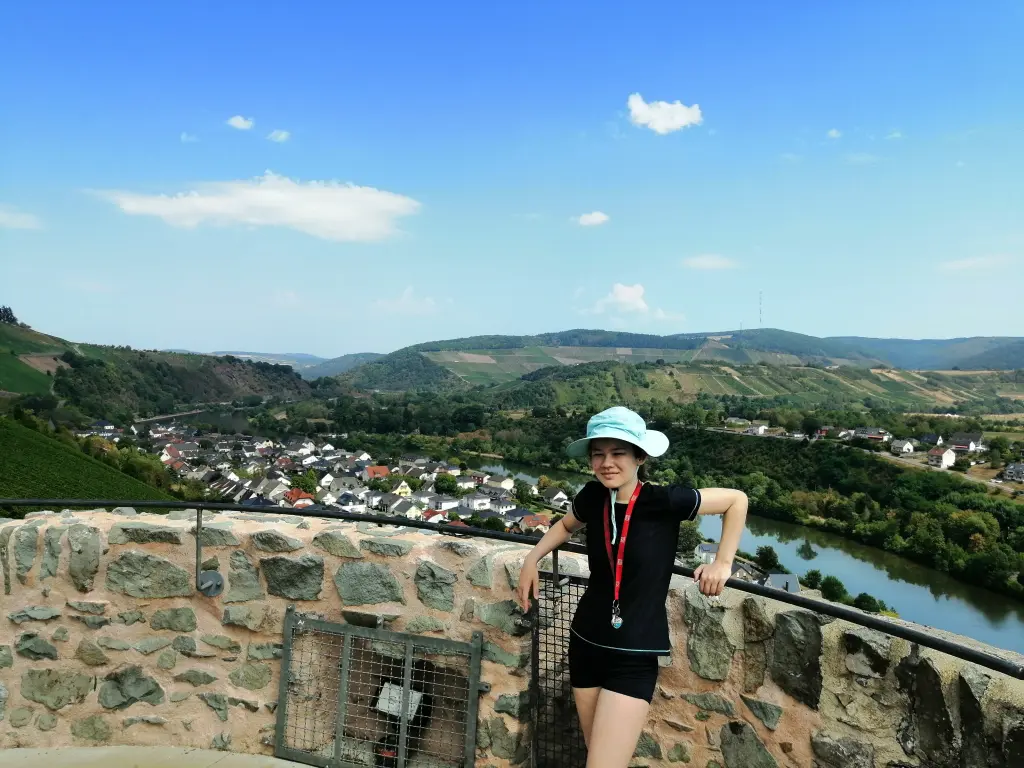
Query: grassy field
[33, 465]
[16, 376]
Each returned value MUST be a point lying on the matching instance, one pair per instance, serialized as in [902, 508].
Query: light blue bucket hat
[622, 424]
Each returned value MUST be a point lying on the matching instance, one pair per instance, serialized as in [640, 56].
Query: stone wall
[106, 641]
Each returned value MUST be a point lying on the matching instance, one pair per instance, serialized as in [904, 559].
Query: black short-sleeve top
[646, 569]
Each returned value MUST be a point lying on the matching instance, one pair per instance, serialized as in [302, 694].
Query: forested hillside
[122, 384]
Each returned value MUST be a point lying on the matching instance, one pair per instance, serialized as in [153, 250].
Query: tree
[522, 491]
[453, 515]
[7, 316]
[446, 484]
[689, 538]
[812, 579]
[493, 524]
[811, 424]
[306, 482]
[995, 458]
[768, 559]
[833, 589]
[866, 602]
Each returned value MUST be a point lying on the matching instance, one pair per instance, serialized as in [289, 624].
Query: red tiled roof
[297, 493]
[459, 523]
[372, 472]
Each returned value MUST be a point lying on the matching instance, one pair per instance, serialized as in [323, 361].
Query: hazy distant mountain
[974, 353]
[487, 360]
[297, 360]
[338, 365]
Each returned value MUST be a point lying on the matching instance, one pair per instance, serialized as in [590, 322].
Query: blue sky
[451, 169]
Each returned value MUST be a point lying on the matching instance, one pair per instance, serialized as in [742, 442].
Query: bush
[866, 602]
[833, 589]
[812, 579]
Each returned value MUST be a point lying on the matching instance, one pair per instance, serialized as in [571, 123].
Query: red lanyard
[616, 565]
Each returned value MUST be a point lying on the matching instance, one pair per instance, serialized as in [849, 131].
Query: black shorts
[631, 674]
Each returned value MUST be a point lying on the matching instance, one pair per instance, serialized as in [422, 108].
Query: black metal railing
[852, 615]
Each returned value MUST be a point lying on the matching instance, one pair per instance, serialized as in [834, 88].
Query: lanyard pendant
[616, 618]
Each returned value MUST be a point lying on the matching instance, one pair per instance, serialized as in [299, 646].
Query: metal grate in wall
[359, 697]
[558, 741]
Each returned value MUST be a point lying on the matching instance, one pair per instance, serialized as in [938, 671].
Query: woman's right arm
[557, 535]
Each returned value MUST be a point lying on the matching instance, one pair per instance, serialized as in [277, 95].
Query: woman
[620, 626]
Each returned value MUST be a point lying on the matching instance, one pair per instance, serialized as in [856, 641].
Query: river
[919, 594]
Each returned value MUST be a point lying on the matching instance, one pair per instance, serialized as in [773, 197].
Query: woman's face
[613, 462]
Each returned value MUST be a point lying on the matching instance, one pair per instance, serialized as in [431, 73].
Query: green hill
[33, 465]
[121, 384]
[494, 360]
[1002, 357]
[976, 353]
[25, 356]
[402, 370]
[337, 365]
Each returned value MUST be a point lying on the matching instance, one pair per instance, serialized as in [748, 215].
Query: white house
[901, 447]
[554, 496]
[1014, 472]
[499, 481]
[787, 582]
[326, 480]
[967, 442]
[476, 502]
[405, 508]
[326, 497]
[757, 429]
[465, 482]
[307, 460]
[502, 505]
[941, 457]
[705, 552]
[445, 503]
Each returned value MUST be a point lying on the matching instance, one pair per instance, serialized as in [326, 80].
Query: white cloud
[594, 219]
[623, 298]
[407, 303]
[12, 218]
[835, 133]
[188, 138]
[626, 305]
[976, 263]
[279, 136]
[894, 135]
[329, 210]
[709, 261]
[661, 116]
[861, 158]
[790, 157]
[241, 123]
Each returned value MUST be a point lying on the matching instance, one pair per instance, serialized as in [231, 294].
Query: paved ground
[134, 757]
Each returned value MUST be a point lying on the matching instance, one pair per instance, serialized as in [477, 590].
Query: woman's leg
[586, 703]
[615, 729]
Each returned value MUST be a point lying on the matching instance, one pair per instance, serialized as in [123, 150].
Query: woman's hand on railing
[712, 577]
[529, 584]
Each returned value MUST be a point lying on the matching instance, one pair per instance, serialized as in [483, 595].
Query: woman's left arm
[733, 505]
